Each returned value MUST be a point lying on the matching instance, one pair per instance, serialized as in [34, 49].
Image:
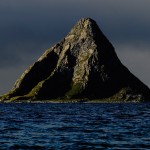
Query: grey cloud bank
[29, 27]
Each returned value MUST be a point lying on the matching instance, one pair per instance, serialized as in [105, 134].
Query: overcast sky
[29, 27]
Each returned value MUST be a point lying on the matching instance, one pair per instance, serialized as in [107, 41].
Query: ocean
[74, 126]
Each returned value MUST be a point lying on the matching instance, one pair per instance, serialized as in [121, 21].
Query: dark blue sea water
[74, 126]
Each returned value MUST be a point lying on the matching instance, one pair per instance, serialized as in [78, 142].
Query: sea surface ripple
[74, 126]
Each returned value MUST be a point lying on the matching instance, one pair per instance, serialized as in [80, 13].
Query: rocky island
[83, 67]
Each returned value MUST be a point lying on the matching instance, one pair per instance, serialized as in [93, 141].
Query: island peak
[83, 66]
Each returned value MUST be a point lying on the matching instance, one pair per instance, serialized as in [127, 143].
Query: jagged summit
[83, 65]
[84, 23]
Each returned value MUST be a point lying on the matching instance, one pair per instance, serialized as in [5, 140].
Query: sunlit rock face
[83, 65]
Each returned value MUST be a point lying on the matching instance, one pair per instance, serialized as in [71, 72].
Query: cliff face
[83, 65]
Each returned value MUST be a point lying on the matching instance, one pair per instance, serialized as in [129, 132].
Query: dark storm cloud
[43, 20]
[37, 19]
[28, 27]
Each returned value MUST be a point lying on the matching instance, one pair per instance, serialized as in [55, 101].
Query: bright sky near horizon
[29, 27]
